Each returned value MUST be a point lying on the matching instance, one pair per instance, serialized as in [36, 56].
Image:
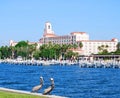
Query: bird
[38, 87]
[50, 88]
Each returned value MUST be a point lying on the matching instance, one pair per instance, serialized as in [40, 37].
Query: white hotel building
[89, 46]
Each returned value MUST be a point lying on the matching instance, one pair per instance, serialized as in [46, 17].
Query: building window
[48, 26]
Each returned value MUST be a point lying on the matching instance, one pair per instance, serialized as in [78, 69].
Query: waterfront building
[92, 46]
[89, 46]
[50, 36]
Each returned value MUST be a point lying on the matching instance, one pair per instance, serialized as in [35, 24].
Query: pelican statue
[50, 88]
[38, 87]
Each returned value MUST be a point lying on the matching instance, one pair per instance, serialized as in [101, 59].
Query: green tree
[23, 49]
[80, 44]
[103, 49]
[12, 50]
[0, 55]
[31, 49]
[118, 46]
[75, 46]
[69, 54]
[99, 48]
[36, 54]
[22, 44]
[5, 52]
[57, 49]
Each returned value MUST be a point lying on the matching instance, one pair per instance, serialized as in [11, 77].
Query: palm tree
[36, 54]
[30, 49]
[99, 48]
[118, 46]
[75, 46]
[5, 51]
[64, 48]
[106, 46]
[57, 48]
[76, 55]
[80, 44]
[0, 54]
[12, 49]
[69, 54]
[103, 49]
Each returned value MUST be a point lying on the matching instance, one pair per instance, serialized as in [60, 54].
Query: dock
[81, 63]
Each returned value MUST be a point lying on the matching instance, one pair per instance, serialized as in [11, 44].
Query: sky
[25, 19]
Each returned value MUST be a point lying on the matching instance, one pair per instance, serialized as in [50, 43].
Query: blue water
[70, 81]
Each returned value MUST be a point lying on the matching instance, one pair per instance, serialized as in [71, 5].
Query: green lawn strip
[4, 94]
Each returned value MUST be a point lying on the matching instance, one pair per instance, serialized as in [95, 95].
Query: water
[70, 81]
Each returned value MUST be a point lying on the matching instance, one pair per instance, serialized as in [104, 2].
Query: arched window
[48, 26]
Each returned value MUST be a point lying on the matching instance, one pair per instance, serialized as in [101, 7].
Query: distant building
[89, 46]
[49, 36]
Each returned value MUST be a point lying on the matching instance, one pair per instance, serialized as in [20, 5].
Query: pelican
[38, 87]
[50, 88]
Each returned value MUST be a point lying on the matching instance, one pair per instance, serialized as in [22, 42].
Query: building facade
[50, 36]
[89, 46]
[92, 46]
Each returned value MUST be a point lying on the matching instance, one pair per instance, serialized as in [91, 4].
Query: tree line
[46, 51]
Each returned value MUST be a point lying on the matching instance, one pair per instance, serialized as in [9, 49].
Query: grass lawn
[4, 94]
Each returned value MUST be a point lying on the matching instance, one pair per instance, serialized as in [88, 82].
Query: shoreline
[29, 93]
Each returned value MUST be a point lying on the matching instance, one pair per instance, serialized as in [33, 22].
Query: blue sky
[25, 19]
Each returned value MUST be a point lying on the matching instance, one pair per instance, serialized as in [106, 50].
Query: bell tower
[48, 29]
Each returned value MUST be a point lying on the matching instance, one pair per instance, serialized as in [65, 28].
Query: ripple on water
[70, 81]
